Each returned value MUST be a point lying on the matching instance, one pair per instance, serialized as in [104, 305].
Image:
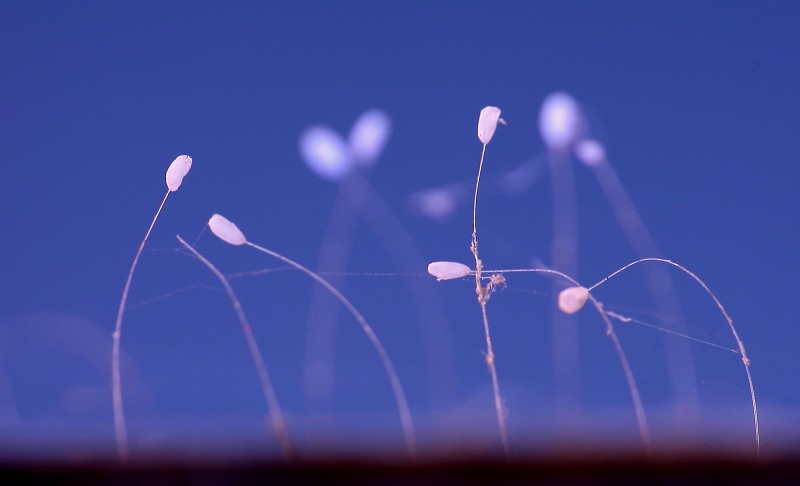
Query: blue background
[697, 104]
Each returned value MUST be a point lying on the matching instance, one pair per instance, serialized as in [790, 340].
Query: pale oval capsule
[448, 270]
[368, 137]
[177, 171]
[325, 153]
[487, 123]
[590, 152]
[226, 231]
[560, 121]
[572, 299]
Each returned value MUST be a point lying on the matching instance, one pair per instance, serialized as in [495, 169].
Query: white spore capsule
[226, 230]
[448, 270]
[487, 123]
[572, 299]
[177, 171]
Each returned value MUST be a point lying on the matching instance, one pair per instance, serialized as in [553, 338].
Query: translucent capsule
[487, 123]
[177, 171]
[572, 299]
[590, 152]
[325, 153]
[226, 230]
[368, 136]
[437, 204]
[448, 270]
[560, 121]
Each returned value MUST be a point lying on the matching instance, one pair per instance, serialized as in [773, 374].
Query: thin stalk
[641, 420]
[277, 420]
[394, 380]
[683, 376]
[740, 344]
[498, 402]
[483, 294]
[564, 250]
[323, 316]
[638, 407]
[120, 431]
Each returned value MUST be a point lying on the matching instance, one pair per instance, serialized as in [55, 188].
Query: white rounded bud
[177, 171]
[572, 299]
[487, 123]
[226, 230]
[448, 270]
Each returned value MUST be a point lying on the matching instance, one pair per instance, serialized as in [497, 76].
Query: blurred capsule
[590, 152]
[368, 137]
[436, 204]
[325, 153]
[559, 121]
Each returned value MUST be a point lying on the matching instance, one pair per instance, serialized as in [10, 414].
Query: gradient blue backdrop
[699, 108]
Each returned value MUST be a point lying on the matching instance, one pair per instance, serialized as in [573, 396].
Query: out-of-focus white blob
[325, 153]
[368, 137]
[177, 171]
[523, 177]
[226, 230]
[572, 299]
[487, 123]
[437, 204]
[448, 270]
[560, 121]
[590, 152]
